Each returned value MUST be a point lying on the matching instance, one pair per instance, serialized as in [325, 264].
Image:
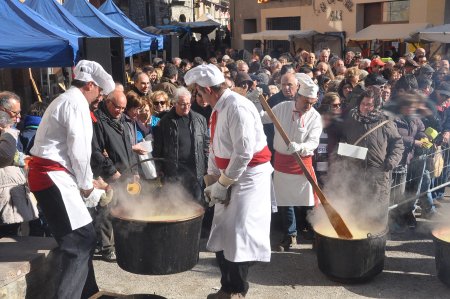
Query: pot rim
[369, 235]
[435, 233]
[199, 213]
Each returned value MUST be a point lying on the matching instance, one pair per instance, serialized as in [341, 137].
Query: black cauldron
[442, 258]
[351, 260]
[157, 247]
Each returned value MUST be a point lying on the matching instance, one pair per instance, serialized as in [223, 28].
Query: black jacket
[111, 147]
[166, 142]
[269, 129]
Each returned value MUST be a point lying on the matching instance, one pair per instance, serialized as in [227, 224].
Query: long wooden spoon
[336, 220]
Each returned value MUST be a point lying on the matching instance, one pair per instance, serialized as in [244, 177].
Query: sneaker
[109, 256]
[286, 244]
[223, 295]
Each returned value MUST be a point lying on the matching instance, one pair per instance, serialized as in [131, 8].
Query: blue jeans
[288, 220]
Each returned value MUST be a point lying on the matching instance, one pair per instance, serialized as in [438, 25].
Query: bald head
[142, 83]
[289, 85]
[116, 103]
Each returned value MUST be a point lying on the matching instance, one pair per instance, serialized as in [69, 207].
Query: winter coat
[166, 85]
[166, 142]
[410, 130]
[111, 146]
[369, 179]
[8, 149]
[26, 136]
[15, 203]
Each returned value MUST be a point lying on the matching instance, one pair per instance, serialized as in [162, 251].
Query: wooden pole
[36, 90]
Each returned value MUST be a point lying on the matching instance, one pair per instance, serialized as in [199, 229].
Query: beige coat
[15, 203]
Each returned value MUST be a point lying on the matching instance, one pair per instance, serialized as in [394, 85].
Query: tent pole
[48, 83]
[41, 76]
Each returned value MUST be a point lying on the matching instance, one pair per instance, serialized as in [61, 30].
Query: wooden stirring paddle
[336, 220]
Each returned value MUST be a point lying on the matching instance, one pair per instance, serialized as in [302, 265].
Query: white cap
[204, 75]
[88, 71]
[307, 88]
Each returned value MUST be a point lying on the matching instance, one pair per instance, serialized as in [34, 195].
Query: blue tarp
[57, 15]
[28, 40]
[93, 18]
[110, 9]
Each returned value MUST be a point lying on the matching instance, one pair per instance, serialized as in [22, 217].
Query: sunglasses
[336, 105]
[162, 103]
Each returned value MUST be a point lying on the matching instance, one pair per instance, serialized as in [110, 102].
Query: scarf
[373, 116]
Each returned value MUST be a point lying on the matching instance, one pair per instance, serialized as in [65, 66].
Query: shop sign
[335, 15]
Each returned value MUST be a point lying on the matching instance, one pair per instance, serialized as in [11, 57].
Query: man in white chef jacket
[239, 156]
[303, 125]
[61, 178]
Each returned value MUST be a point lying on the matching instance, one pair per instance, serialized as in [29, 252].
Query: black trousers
[234, 275]
[76, 247]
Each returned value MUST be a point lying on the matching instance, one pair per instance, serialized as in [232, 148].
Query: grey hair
[5, 119]
[6, 97]
[179, 92]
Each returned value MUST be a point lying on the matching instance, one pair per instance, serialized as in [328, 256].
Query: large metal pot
[351, 260]
[442, 258]
[157, 247]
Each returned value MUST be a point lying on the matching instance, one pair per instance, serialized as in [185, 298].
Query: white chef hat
[204, 75]
[88, 71]
[307, 88]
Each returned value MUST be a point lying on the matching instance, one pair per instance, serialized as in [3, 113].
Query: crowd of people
[206, 118]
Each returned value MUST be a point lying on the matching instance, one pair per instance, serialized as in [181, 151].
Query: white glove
[92, 200]
[294, 147]
[216, 193]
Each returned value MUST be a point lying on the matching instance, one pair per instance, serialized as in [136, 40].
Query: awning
[440, 34]
[274, 34]
[389, 32]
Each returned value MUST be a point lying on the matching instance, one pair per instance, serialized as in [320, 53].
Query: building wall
[322, 16]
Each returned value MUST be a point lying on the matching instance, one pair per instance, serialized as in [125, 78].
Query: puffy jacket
[111, 147]
[166, 142]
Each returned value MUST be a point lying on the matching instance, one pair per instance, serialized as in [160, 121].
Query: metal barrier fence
[422, 180]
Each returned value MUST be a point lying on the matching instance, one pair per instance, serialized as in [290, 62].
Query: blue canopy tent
[28, 40]
[92, 17]
[110, 9]
[56, 14]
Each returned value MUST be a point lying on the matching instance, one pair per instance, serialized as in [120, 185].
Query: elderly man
[10, 103]
[324, 56]
[182, 140]
[61, 178]
[111, 155]
[141, 84]
[242, 66]
[289, 88]
[349, 58]
[303, 125]
[239, 156]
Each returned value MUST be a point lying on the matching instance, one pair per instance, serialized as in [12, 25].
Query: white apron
[242, 229]
[292, 190]
[75, 207]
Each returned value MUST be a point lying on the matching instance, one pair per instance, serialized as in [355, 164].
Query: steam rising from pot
[168, 203]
